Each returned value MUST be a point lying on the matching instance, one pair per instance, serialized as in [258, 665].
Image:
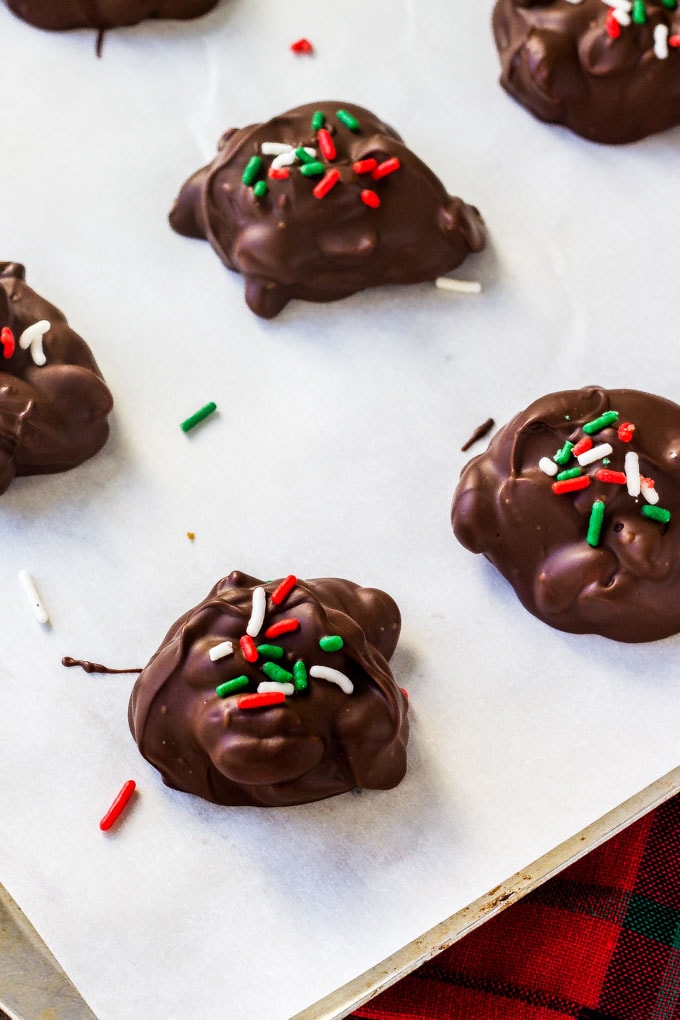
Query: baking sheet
[335, 451]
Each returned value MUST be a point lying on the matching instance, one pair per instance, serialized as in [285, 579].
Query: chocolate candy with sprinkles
[577, 503]
[58, 15]
[608, 70]
[321, 202]
[275, 693]
[54, 403]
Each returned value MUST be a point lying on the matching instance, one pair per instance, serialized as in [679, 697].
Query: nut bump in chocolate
[275, 693]
[610, 72]
[53, 400]
[577, 503]
[321, 202]
[59, 15]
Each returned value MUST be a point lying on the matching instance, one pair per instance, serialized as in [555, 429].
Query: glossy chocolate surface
[575, 64]
[65, 14]
[319, 740]
[288, 243]
[627, 586]
[53, 416]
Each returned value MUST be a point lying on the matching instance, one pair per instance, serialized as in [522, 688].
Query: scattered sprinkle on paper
[458, 286]
[30, 591]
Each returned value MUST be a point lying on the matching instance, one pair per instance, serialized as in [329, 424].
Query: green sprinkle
[318, 120]
[606, 461]
[331, 643]
[570, 473]
[270, 651]
[656, 513]
[252, 170]
[564, 455]
[595, 523]
[260, 189]
[304, 156]
[198, 416]
[312, 169]
[274, 672]
[670, 4]
[300, 675]
[639, 14]
[346, 118]
[597, 424]
[232, 686]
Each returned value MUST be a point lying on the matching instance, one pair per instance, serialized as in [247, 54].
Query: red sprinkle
[326, 144]
[326, 183]
[365, 166]
[674, 41]
[571, 484]
[388, 167]
[647, 481]
[617, 477]
[370, 198]
[278, 173]
[302, 46]
[625, 431]
[260, 700]
[282, 627]
[583, 444]
[404, 692]
[281, 593]
[248, 648]
[7, 341]
[118, 806]
[613, 27]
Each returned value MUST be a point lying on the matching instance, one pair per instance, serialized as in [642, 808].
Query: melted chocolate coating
[291, 244]
[559, 60]
[52, 416]
[626, 587]
[320, 742]
[65, 14]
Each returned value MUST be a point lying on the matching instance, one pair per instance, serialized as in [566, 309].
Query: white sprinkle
[661, 41]
[575, 1]
[335, 677]
[621, 16]
[286, 158]
[221, 650]
[631, 465]
[649, 492]
[458, 286]
[548, 466]
[275, 148]
[619, 5]
[39, 611]
[310, 152]
[271, 687]
[595, 453]
[257, 614]
[32, 337]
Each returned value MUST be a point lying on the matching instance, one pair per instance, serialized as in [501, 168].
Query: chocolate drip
[95, 667]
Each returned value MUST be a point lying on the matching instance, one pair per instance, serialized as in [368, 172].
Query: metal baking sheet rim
[32, 982]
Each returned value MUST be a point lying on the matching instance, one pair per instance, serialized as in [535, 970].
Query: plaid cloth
[600, 941]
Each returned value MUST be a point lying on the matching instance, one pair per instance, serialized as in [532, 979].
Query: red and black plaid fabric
[601, 941]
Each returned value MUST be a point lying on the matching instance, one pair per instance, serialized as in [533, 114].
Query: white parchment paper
[335, 451]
